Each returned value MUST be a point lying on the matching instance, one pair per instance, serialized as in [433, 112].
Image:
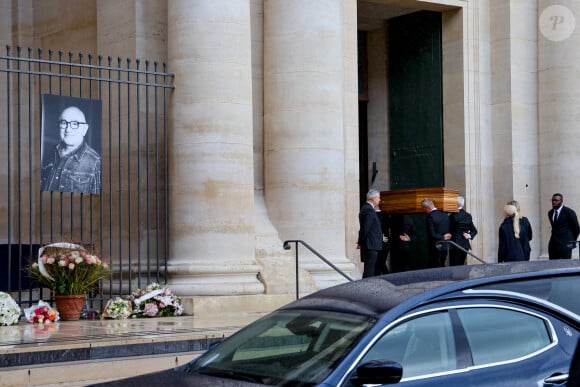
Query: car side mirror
[378, 372]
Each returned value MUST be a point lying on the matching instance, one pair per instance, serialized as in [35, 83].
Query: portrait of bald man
[72, 165]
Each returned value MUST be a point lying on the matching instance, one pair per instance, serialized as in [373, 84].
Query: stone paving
[27, 347]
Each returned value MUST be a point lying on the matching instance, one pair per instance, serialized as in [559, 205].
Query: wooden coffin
[408, 201]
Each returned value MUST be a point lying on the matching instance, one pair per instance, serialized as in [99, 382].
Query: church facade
[285, 112]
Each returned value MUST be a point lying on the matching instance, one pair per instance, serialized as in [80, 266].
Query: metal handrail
[439, 246]
[296, 242]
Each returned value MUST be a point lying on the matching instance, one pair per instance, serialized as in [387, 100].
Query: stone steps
[82, 373]
[74, 353]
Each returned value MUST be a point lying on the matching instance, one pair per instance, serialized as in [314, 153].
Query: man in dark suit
[462, 231]
[370, 235]
[565, 228]
[437, 230]
[402, 233]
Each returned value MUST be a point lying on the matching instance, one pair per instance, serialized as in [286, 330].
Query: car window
[497, 335]
[423, 345]
[560, 290]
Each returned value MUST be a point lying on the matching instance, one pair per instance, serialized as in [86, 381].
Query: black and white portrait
[71, 144]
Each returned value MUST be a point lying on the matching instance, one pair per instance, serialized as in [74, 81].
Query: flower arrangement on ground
[42, 313]
[9, 310]
[155, 301]
[68, 269]
[118, 308]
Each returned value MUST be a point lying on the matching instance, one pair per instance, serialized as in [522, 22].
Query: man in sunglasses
[73, 166]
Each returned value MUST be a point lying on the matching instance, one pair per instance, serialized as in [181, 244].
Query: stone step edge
[104, 352]
[82, 373]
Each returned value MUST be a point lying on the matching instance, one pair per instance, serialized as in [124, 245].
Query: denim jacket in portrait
[78, 172]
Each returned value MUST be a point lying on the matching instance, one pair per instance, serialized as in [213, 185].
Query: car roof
[375, 296]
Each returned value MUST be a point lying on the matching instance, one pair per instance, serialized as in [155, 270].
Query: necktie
[555, 215]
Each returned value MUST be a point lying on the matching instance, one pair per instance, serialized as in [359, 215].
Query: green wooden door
[415, 109]
[415, 100]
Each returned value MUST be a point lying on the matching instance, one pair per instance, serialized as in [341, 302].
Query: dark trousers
[370, 262]
[558, 253]
[399, 262]
[437, 258]
[457, 257]
[401, 257]
[382, 262]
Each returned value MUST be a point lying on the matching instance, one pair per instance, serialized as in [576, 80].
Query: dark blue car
[512, 324]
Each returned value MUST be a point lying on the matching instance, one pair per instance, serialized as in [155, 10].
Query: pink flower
[71, 266]
[150, 310]
[93, 259]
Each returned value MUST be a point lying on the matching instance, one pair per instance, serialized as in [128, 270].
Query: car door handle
[556, 379]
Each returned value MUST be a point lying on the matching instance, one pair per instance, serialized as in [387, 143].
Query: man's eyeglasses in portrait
[63, 124]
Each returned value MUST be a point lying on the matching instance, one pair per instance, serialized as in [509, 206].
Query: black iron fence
[127, 222]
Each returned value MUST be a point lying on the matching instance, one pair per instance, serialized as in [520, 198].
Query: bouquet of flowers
[9, 310]
[41, 314]
[155, 301]
[68, 269]
[117, 308]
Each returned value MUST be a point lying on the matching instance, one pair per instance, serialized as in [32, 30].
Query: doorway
[414, 133]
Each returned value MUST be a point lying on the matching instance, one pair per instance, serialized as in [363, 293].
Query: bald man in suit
[437, 230]
[565, 228]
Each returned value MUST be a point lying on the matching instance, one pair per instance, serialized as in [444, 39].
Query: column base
[197, 279]
[217, 306]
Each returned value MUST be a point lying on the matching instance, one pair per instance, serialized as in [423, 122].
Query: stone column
[211, 230]
[16, 19]
[140, 31]
[350, 116]
[466, 87]
[304, 128]
[514, 107]
[558, 113]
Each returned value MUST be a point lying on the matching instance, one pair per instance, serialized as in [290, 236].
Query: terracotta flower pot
[70, 307]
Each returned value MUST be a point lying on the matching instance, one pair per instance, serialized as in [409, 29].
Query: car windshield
[285, 348]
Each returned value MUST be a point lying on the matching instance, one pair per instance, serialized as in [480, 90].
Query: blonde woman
[511, 236]
[524, 224]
